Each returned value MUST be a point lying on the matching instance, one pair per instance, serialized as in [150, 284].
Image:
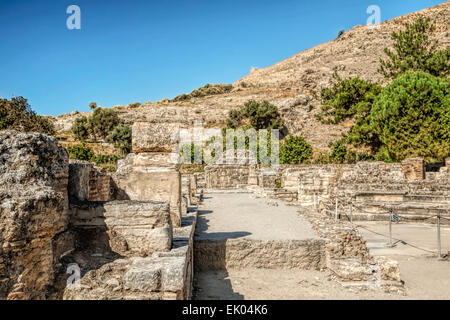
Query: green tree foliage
[102, 122]
[260, 115]
[411, 117]
[346, 99]
[17, 114]
[295, 150]
[414, 51]
[83, 152]
[80, 152]
[121, 137]
[80, 128]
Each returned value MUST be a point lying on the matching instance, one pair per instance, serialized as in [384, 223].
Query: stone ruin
[124, 235]
[129, 235]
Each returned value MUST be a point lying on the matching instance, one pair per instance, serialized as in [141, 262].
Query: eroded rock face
[33, 210]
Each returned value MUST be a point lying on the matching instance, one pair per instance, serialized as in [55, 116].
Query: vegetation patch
[206, 90]
[17, 114]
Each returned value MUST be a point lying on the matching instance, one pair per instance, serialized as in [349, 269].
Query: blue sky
[144, 50]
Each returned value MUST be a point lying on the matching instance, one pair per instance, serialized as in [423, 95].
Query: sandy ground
[239, 215]
[222, 216]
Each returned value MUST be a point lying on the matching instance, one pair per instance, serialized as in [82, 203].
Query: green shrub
[346, 99]
[17, 114]
[414, 51]
[134, 105]
[341, 33]
[121, 137]
[80, 128]
[93, 105]
[411, 117]
[260, 115]
[295, 150]
[80, 152]
[102, 122]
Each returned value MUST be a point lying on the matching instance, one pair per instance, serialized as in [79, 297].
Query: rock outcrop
[33, 211]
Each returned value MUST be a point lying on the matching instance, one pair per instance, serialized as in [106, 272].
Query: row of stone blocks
[147, 226]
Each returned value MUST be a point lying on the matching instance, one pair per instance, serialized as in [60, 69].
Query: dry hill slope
[293, 84]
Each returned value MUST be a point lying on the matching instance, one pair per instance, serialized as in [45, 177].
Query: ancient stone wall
[88, 182]
[134, 228]
[56, 219]
[373, 189]
[150, 176]
[33, 212]
[227, 176]
[244, 253]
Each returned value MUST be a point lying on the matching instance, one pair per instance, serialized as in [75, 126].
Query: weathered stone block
[88, 182]
[33, 210]
[79, 175]
[155, 137]
[149, 182]
[135, 228]
[413, 169]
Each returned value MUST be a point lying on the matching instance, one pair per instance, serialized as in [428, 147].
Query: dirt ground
[425, 277]
[266, 284]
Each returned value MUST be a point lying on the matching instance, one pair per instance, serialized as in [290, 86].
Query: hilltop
[293, 85]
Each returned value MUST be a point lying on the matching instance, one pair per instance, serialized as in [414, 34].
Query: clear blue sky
[146, 50]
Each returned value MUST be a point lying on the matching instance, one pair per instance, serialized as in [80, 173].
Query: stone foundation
[150, 176]
[245, 253]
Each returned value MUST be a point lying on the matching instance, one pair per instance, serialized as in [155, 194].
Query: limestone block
[447, 163]
[34, 174]
[155, 137]
[390, 270]
[88, 182]
[79, 173]
[150, 176]
[413, 169]
[134, 227]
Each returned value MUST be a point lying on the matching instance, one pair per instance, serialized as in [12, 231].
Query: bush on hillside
[17, 114]
[260, 115]
[121, 138]
[102, 122]
[295, 150]
[80, 128]
[346, 99]
[206, 90]
[414, 51]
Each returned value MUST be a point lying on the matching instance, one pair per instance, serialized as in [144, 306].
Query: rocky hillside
[293, 84]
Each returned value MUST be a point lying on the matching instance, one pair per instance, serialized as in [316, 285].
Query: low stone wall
[134, 228]
[163, 276]
[246, 253]
[373, 189]
[348, 257]
[88, 182]
[150, 176]
[227, 176]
